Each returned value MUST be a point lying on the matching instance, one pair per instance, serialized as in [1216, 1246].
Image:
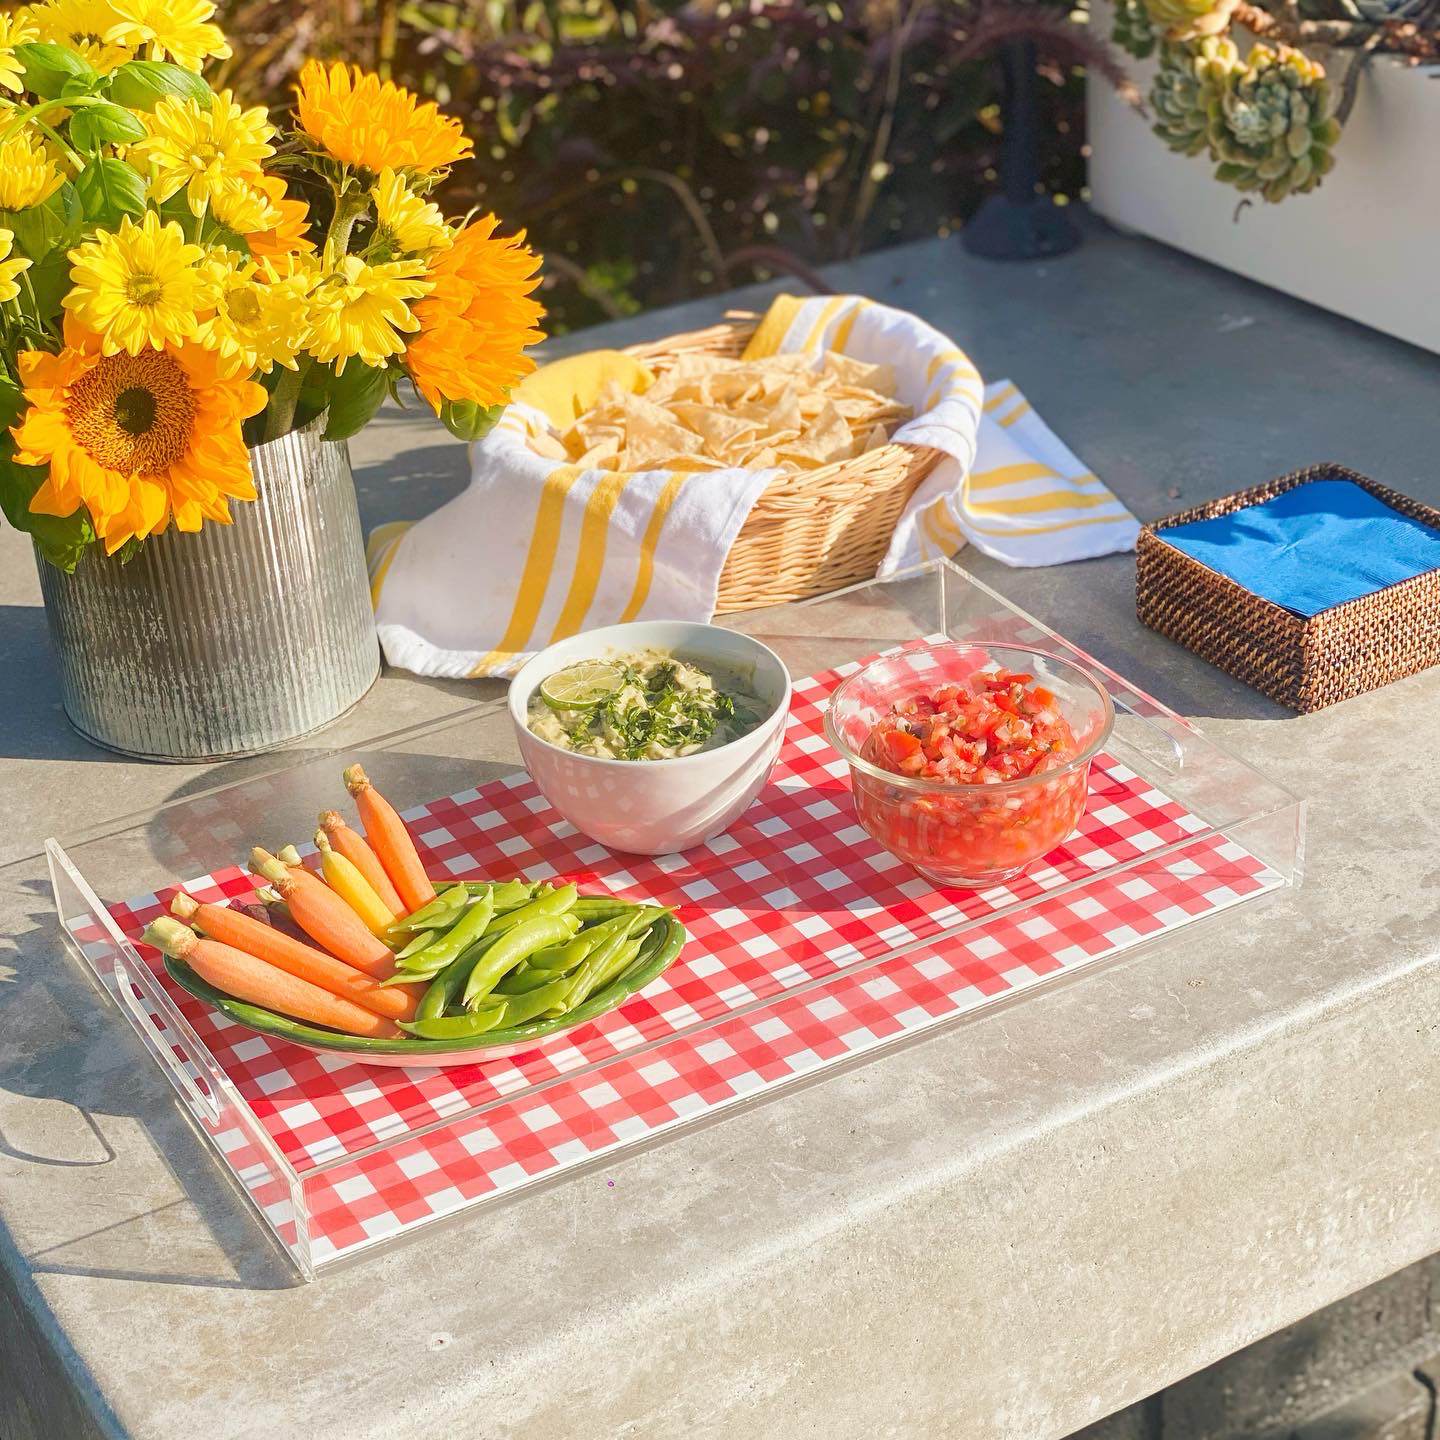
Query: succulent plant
[1133, 30]
[1187, 19]
[1273, 127]
[1187, 90]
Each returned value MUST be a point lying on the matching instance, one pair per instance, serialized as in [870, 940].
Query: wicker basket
[1304, 662]
[813, 530]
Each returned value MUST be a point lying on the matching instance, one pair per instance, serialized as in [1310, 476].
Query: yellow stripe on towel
[1037, 504]
[539, 562]
[841, 338]
[380, 552]
[1014, 531]
[1012, 475]
[590, 554]
[771, 331]
[1009, 392]
[828, 312]
[1023, 408]
[651, 538]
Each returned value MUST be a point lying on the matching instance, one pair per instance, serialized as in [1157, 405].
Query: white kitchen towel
[536, 549]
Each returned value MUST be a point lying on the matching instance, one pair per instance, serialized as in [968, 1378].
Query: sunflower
[209, 154]
[404, 222]
[360, 120]
[358, 309]
[27, 173]
[15, 29]
[81, 24]
[9, 269]
[477, 319]
[259, 319]
[179, 30]
[138, 286]
[287, 234]
[137, 440]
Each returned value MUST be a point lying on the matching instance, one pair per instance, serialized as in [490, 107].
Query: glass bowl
[968, 835]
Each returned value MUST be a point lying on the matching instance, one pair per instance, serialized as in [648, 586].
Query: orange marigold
[289, 236]
[361, 120]
[477, 319]
[136, 440]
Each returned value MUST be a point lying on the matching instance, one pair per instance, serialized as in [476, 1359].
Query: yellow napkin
[565, 389]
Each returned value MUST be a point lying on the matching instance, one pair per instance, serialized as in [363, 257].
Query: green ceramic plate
[662, 945]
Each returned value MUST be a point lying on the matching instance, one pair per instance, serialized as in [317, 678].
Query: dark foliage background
[656, 150]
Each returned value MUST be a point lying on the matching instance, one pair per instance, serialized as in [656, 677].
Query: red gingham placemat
[795, 918]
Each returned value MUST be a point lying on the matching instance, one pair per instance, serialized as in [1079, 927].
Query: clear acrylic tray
[336, 1163]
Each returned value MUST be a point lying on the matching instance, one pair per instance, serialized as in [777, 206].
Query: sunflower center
[144, 289]
[135, 410]
[133, 413]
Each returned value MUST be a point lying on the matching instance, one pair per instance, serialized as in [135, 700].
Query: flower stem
[280, 412]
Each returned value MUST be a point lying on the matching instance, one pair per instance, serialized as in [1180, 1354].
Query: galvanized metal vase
[230, 641]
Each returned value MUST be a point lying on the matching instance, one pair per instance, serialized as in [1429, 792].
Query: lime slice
[582, 686]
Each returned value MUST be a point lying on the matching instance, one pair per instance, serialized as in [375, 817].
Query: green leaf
[62, 539]
[12, 402]
[109, 189]
[143, 84]
[355, 396]
[51, 283]
[103, 124]
[468, 420]
[48, 67]
[53, 223]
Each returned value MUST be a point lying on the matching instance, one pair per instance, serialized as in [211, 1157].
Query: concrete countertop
[1001, 1234]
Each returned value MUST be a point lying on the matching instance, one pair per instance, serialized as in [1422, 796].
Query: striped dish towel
[535, 549]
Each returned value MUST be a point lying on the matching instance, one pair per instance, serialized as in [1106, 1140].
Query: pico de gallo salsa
[997, 726]
[994, 726]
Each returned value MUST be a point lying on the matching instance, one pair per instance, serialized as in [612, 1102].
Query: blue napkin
[1313, 546]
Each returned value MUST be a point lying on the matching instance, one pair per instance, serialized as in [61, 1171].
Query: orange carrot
[265, 942]
[391, 841]
[247, 978]
[352, 845]
[324, 916]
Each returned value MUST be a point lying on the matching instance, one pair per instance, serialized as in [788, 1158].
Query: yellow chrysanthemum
[260, 313]
[27, 173]
[361, 120]
[209, 154]
[81, 24]
[136, 440]
[360, 311]
[477, 319]
[406, 224]
[139, 286]
[15, 29]
[9, 269]
[285, 235]
[178, 30]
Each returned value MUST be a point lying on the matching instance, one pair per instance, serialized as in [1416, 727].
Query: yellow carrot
[356, 849]
[345, 879]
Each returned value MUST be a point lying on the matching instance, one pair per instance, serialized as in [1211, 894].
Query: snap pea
[591, 908]
[522, 979]
[566, 956]
[445, 988]
[520, 1008]
[460, 936]
[582, 979]
[619, 963]
[513, 946]
[418, 943]
[556, 902]
[504, 894]
[455, 1027]
[439, 914]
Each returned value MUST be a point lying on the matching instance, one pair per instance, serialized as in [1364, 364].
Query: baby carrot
[353, 846]
[233, 927]
[247, 978]
[391, 841]
[324, 916]
[353, 888]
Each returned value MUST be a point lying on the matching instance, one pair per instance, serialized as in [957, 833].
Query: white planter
[1362, 244]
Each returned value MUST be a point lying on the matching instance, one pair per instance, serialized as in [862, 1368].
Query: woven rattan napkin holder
[1303, 662]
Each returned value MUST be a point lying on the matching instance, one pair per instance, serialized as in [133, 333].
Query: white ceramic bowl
[656, 807]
